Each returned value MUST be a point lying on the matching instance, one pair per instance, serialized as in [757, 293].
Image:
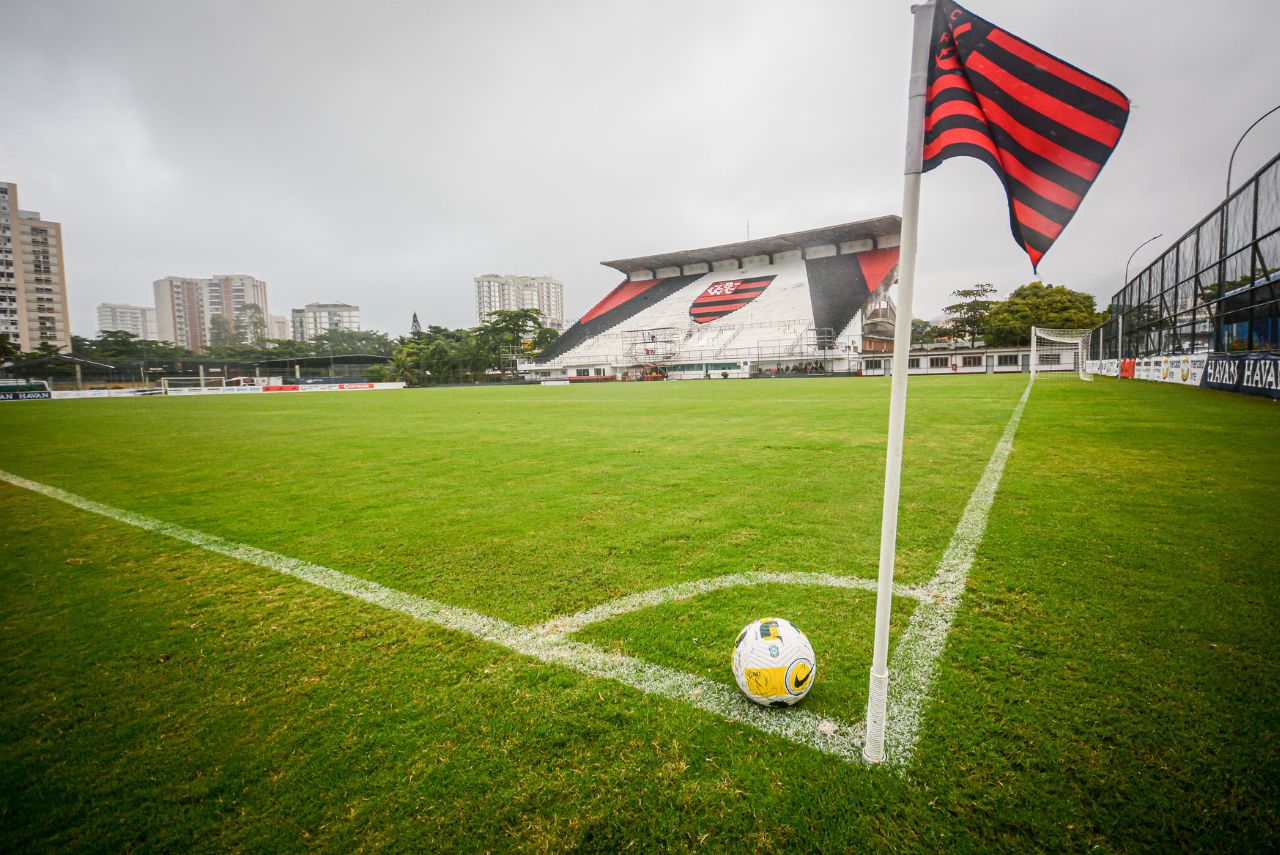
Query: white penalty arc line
[913, 665]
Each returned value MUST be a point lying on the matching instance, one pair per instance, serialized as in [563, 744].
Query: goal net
[1059, 352]
[170, 384]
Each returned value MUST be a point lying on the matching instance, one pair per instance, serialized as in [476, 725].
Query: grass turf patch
[1110, 680]
[697, 635]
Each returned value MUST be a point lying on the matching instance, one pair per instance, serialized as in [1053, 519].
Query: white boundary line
[914, 663]
[913, 666]
[796, 725]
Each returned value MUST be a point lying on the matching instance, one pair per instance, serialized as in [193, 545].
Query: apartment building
[495, 293]
[33, 285]
[186, 307]
[315, 318]
[135, 320]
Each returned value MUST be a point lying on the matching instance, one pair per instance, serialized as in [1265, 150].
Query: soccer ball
[773, 663]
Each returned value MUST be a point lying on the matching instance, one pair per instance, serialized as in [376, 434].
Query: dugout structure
[1216, 289]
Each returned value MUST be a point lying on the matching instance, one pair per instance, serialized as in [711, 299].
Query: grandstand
[815, 298]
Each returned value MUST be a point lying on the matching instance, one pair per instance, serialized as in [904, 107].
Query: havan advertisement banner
[1250, 373]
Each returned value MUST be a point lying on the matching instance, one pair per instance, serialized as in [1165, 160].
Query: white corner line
[913, 665]
[914, 662]
[822, 733]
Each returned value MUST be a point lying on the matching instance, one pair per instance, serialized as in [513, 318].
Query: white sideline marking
[913, 665]
[567, 624]
[914, 662]
[796, 725]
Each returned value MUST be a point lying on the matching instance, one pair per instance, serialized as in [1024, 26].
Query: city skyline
[444, 188]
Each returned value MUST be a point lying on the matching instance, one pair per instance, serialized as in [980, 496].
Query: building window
[1050, 358]
[938, 362]
[1007, 359]
[582, 372]
[971, 361]
[913, 362]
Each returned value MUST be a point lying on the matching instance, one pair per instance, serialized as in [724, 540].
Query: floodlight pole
[1232, 161]
[1125, 284]
[877, 696]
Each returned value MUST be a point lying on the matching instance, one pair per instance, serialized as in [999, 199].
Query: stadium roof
[861, 230]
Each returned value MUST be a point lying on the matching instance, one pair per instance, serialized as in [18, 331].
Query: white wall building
[504, 293]
[278, 327]
[136, 320]
[316, 318]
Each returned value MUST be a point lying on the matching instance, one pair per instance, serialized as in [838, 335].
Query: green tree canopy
[345, 342]
[1036, 304]
[922, 332]
[250, 324]
[969, 316]
[222, 331]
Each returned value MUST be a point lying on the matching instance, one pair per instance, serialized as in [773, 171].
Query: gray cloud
[385, 153]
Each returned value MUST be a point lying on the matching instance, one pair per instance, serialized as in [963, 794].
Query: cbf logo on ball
[728, 295]
[773, 662]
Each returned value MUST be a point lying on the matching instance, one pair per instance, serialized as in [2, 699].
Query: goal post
[172, 384]
[1060, 352]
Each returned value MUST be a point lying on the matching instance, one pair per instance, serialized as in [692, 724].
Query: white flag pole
[873, 749]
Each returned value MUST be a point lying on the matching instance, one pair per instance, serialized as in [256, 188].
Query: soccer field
[1109, 677]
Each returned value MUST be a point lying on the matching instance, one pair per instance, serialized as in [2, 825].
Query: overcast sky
[384, 153]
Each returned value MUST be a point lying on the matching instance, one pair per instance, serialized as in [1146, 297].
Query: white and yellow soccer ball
[773, 662]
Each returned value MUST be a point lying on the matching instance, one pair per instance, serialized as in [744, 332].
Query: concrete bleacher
[662, 313]
[784, 310]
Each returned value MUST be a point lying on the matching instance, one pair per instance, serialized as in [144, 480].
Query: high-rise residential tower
[33, 285]
[494, 293]
[136, 320]
[187, 309]
[315, 318]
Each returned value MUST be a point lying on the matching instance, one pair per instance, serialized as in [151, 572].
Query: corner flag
[1046, 128]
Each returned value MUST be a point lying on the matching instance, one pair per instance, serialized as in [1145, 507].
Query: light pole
[1120, 334]
[1232, 161]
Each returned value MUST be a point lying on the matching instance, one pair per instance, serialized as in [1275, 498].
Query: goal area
[1059, 353]
[171, 384]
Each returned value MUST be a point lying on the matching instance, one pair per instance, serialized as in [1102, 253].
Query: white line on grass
[567, 624]
[914, 663]
[796, 725]
[913, 666]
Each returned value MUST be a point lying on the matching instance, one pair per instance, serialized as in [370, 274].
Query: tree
[342, 342]
[969, 316]
[922, 332]
[222, 331]
[543, 339]
[114, 344]
[251, 324]
[1040, 305]
[415, 328]
[8, 350]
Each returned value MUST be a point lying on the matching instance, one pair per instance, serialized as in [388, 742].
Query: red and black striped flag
[1044, 126]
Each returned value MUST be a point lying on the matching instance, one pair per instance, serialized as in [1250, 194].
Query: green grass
[1110, 680]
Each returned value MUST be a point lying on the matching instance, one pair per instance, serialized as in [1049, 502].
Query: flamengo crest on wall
[727, 296]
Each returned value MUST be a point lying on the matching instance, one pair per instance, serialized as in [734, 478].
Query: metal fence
[1217, 289]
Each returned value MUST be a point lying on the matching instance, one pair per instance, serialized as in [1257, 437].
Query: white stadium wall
[729, 315]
